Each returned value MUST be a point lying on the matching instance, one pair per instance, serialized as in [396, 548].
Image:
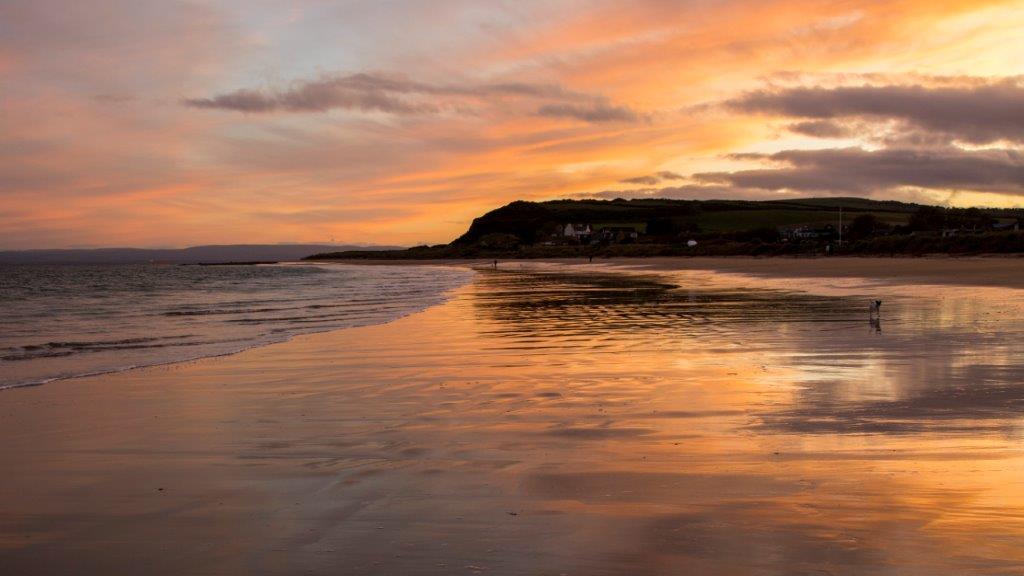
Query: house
[580, 232]
[617, 234]
[825, 232]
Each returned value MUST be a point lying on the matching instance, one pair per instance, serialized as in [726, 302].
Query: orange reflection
[611, 424]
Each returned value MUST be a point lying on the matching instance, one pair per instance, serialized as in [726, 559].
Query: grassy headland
[661, 227]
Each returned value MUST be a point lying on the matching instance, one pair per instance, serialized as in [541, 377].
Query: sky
[165, 123]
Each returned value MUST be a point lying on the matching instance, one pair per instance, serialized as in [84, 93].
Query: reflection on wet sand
[556, 423]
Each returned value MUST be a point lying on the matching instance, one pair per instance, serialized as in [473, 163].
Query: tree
[499, 241]
[971, 218]
[862, 227]
[764, 234]
[927, 218]
[660, 227]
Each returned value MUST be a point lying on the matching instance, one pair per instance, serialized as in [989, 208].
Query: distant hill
[529, 221]
[193, 255]
[664, 227]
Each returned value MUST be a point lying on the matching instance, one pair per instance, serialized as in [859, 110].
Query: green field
[739, 220]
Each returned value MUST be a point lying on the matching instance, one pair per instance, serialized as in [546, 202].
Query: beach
[1004, 271]
[663, 416]
[992, 270]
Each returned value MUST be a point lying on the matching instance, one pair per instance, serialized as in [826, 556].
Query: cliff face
[521, 219]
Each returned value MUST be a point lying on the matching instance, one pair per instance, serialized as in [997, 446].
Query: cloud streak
[821, 129]
[693, 192]
[401, 96]
[975, 113]
[652, 179]
[365, 92]
[859, 171]
[595, 112]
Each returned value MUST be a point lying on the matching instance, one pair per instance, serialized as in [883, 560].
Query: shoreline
[265, 340]
[994, 270]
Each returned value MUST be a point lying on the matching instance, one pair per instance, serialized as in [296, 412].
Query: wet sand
[547, 421]
[997, 270]
[1005, 271]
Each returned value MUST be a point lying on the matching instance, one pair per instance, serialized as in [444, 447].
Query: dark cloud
[693, 192]
[645, 180]
[402, 96]
[975, 112]
[355, 92]
[652, 179]
[526, 89]
[593, 112]
[855, 170]
[821, 129]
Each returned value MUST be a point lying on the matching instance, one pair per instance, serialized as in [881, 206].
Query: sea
[64, 321]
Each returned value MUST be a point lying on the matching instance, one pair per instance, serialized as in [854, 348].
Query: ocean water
[61, 321]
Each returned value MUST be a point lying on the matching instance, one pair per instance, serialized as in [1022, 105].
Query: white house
[576, 231]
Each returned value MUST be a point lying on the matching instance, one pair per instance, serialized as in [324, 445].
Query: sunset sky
[162, 123]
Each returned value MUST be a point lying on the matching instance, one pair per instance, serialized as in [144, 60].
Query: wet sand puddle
[592, 423]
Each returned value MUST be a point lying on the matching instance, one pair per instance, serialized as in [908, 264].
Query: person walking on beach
[495, 264]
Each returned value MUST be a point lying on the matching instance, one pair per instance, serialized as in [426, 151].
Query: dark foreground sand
[553, 423]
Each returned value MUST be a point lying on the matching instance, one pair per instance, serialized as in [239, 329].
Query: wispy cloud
[594, 112]
[860, 171]
[652, 179]
[402, 96]
[975, 112]
[822, 129]
[693, 192]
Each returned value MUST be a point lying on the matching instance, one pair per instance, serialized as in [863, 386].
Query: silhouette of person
[875, 315]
